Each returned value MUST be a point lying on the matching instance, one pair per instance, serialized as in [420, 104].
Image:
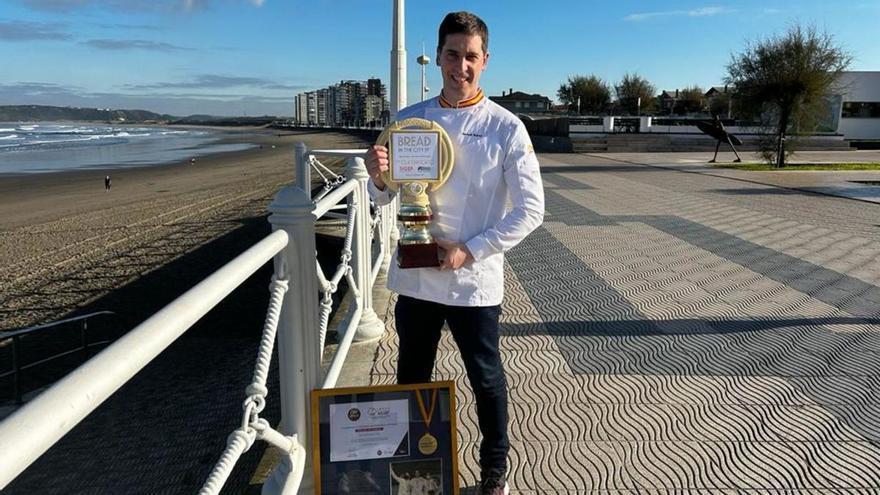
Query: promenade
[667, 329]
[666, 332]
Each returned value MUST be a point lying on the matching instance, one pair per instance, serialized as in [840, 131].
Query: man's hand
[456, 254]
[377, 162]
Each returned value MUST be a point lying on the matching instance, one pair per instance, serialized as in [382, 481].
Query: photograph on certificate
[422, 477]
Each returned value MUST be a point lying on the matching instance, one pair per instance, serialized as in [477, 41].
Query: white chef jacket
[494, 161]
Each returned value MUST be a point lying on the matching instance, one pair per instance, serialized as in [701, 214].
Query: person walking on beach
[107, 183]
[494, 162]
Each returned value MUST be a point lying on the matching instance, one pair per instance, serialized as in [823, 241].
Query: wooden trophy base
[417, 255]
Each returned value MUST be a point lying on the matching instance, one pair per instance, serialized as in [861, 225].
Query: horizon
[251, 57]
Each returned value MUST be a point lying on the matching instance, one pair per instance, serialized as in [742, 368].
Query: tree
[784, 80]
[690, 100]
[632, 89]
[721, 105]
[594, 94]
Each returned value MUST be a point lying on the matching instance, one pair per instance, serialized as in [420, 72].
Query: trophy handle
[447, 155]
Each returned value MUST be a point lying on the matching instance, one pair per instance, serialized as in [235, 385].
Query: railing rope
[239, 442]
[252, 426]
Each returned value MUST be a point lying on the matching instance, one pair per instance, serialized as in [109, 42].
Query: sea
[44, 147]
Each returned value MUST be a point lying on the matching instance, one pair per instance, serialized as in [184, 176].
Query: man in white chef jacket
[494, 163]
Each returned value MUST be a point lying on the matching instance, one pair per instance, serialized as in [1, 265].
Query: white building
[860, 109]
[301, 108]
[349, 103]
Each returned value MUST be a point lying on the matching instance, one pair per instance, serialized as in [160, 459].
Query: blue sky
[234, 57]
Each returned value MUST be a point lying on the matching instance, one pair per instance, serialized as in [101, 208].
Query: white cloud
[191, 5]
[700, 12]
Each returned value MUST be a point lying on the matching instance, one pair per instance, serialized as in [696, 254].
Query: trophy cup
[420, 159]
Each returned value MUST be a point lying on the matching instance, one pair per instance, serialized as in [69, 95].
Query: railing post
[608, 124]
[299, 356]
[370, 327]
[303, 167]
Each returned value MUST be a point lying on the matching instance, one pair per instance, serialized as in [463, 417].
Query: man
[404, 481]
[494, 161]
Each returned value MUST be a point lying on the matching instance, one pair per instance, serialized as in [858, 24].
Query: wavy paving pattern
[661, 337]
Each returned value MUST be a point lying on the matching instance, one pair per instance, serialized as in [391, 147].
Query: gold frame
[447, 153]
[317, 394]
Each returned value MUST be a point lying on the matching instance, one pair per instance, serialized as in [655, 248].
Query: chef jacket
[494, 162]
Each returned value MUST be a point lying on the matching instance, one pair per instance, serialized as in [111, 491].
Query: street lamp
[423, 60]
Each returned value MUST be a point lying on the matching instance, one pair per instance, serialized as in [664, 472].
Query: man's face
[461, 61]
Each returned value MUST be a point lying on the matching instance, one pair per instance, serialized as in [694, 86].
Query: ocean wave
[79, 139]
[64, 141]
[7, 129]
[76, 131]
[11, 136]
[27, 127]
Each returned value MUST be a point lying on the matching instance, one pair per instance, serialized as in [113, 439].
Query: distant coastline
[46, 113]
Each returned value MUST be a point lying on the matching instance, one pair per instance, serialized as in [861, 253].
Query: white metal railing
[295, 323]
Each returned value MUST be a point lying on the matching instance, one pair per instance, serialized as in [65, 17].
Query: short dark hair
[463, 22]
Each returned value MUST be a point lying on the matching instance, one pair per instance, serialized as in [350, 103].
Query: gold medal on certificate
[428, 443]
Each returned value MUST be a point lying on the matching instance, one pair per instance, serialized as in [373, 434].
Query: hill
[36, 113]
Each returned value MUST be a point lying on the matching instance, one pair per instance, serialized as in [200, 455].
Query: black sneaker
[494, 483]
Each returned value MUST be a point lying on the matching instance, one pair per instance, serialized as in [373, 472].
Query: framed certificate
[386, 439]
[414, 155]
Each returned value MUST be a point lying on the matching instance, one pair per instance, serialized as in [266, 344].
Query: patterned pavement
[668, 332]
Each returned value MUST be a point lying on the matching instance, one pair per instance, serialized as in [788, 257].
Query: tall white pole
[398, 60]
[422, 88]
[398, 83]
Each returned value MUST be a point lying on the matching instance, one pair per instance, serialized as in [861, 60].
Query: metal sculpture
[715, 129]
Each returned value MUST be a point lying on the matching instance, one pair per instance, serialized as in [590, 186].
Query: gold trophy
[420, 159]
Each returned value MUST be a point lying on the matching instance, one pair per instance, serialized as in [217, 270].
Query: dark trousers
[476, 332]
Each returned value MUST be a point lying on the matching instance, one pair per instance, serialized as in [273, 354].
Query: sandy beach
[66, 243]
[68, 247]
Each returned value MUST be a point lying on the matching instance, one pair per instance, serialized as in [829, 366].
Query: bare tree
[633, 89]
[592, 91]
[784, 80]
